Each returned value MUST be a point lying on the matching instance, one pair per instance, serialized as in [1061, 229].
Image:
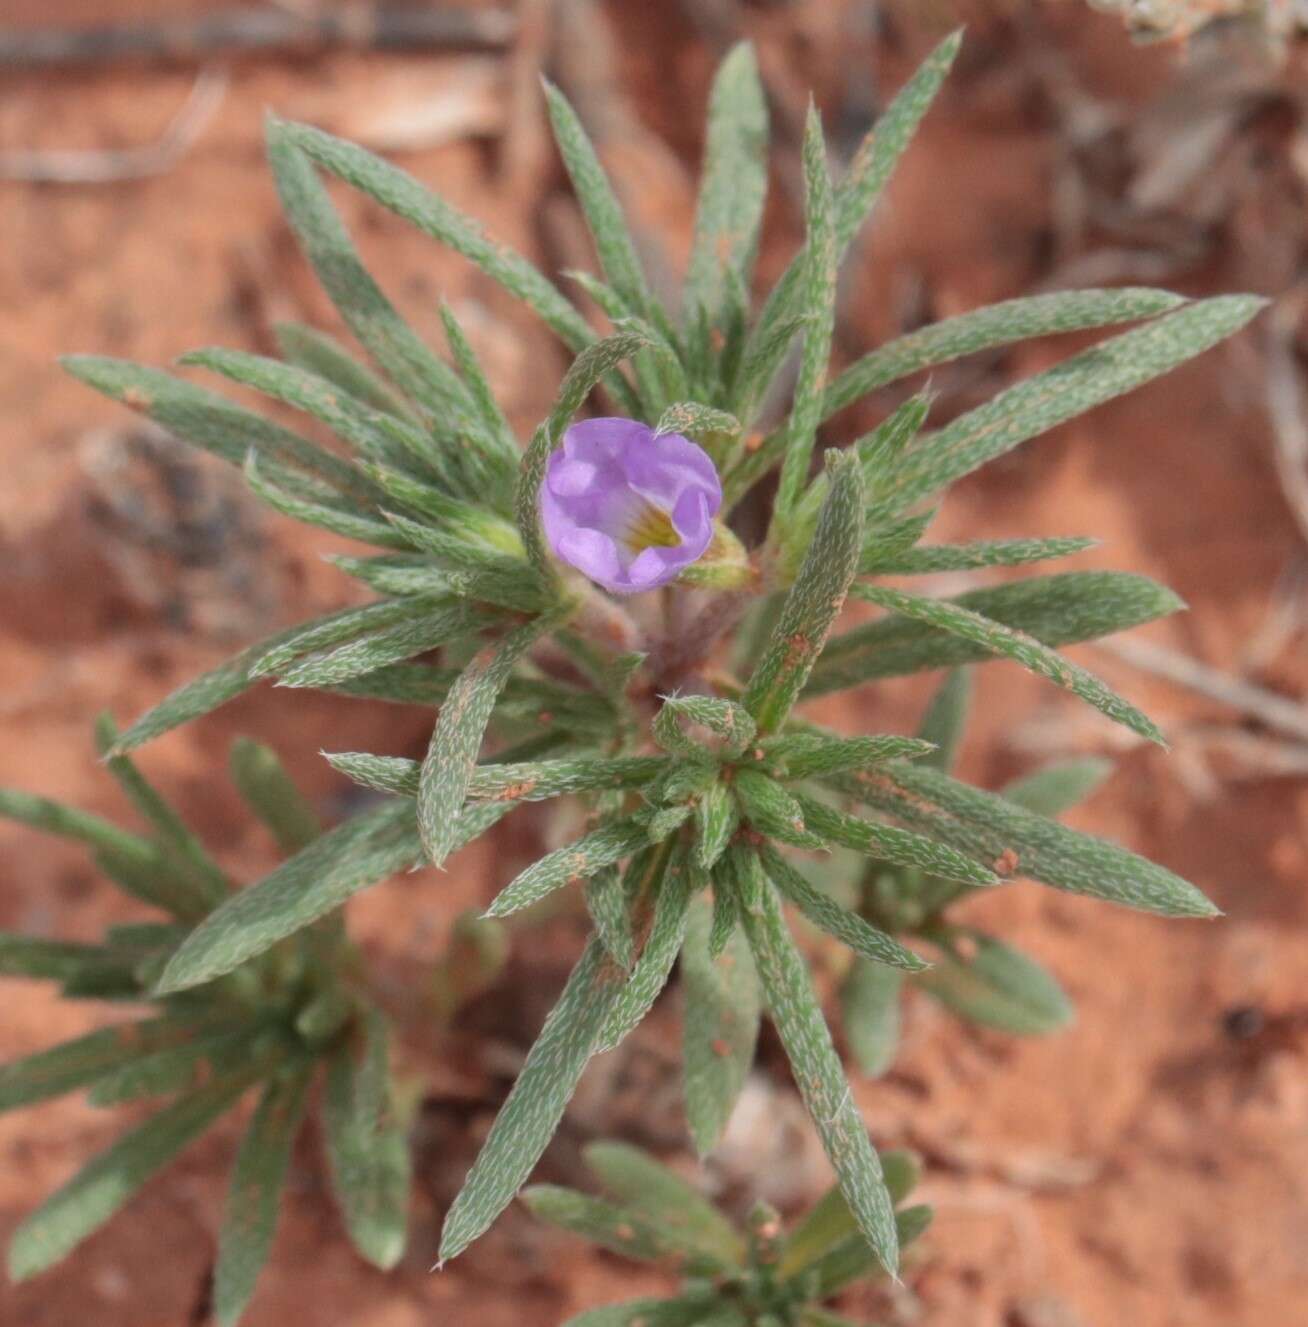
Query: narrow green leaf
[716, 819]
[996, 325]
[817, 596]
[852, 1260]
[720, 1022]
[995, 638]
[51, 817]
[872, 166]
[811, 755]
[662, 945]
[528, 781]
[603, 212]
[1057, 787]
[877, 453]
[278, 652]
[893, 845]
[1068, 389]
[179, 1068]
[1025, 844]
[714, 430]
[373, 433]
[367, 1147]
[317, 879]
[98, 1190]
[663, 1198]
[313, 350]
[946, 718]
[887, 540]
[885, 143]
[970, 557]
[991, 983]
[52, 960]
[869, 1005]
[733, 182]
[421, 375]
[400, 193]
[323, 512]
[576, 861]
[271, 794]
[771, 810]
[765, 350]
[536, 1102]
[498, 431]
[208, 420]
[429, 626]
[403, 574]
[402, 684]
[245, 1239]
[726, 912]
[457, 737]
[1056, 610]
[608, 1225]
[606, 903]
[847, 927]
[818, 301]
[76, 1063]
[798, 1018]
[725, 718]
[199, 883]
[829, 1222]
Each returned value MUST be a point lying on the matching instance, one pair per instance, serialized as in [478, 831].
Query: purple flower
[628, 508]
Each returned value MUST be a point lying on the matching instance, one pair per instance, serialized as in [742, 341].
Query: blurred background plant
[299, 1013]
[750, 1275]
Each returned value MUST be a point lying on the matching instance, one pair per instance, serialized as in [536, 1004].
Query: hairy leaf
[995, 325]
[1065, 391]
[672, 894]
[577, 861]
[798, 1018]
[245, 1239]
[893, 845]
[367, 1148]
[733, 182]
[271, 794]
[995, 638]
[818, 302]
[1023, 843]
[662, 1197]
[719, 1025]
[847, 927]
[100, 1188]
[993, 984]
[1055, 788]
[869, 1006]
[812, 603]
[1056, 610]
[536, 1102]
[457, 737]
[321, 877]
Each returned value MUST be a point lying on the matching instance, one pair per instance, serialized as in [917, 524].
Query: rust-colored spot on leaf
[1007, 863]
[515, 790]
[137, 398]
[720, 1048]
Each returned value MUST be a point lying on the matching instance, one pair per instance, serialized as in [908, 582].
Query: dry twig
[1276, 712]
[96, 166]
